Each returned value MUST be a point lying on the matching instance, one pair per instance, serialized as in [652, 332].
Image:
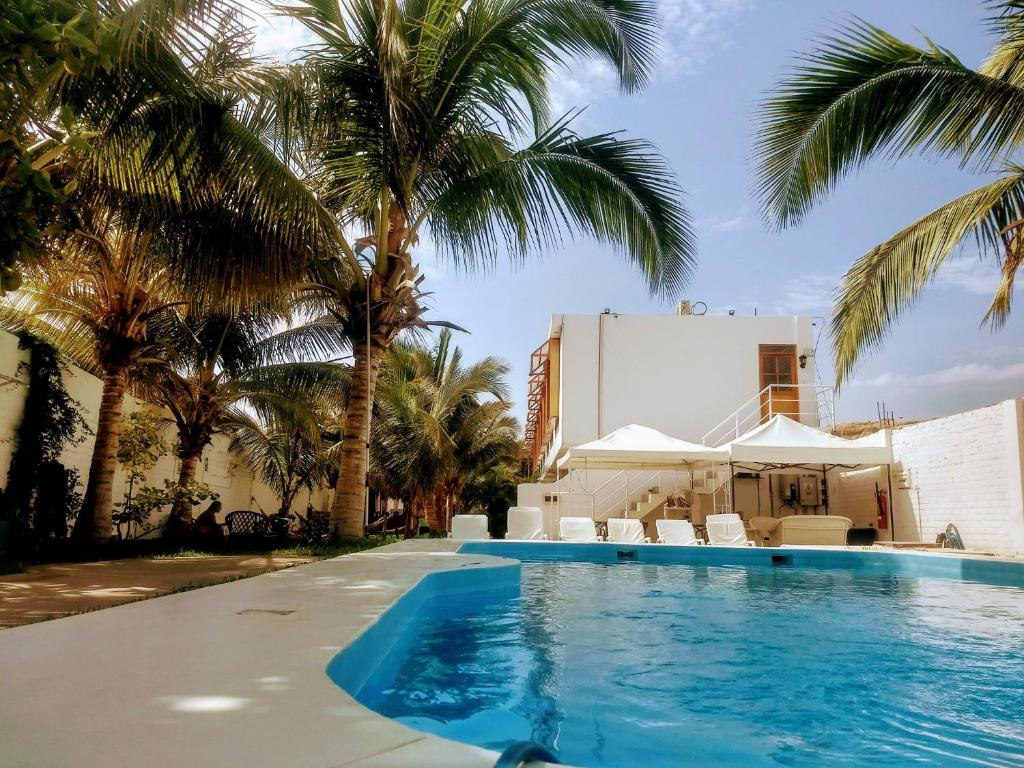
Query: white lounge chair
[469, 528]
[625, 531]
[677, 532]
[525, 524]
[727, 530]
[579, 529]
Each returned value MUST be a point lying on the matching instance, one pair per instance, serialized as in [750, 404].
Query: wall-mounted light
[803, 361]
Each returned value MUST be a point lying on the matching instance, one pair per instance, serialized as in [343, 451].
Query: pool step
[522, 753]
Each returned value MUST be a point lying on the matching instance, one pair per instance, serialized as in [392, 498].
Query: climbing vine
[42, 494]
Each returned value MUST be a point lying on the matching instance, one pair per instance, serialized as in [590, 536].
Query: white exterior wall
[678, 374]
[225, 474]
[964, 469]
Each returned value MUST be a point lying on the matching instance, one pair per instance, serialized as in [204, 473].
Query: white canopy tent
[781, 441]
[638, 456]
[635, 446]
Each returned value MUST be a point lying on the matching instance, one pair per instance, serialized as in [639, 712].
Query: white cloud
[969, 274]
[275, 36]
[954, 376]
[695, 30]
[692, 32]
[723, 223]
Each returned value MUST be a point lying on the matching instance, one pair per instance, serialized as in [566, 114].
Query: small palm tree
[438, 422]
[286, 458]
[864, 93]
[221, 370]
[431, 117]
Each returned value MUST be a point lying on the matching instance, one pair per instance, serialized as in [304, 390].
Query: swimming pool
[708, 663]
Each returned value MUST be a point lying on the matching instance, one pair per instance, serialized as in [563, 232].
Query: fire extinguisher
[883, 508]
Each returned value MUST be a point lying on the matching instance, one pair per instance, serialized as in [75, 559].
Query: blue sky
[721, 56]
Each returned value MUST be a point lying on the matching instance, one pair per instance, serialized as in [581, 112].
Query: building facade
[684, 374]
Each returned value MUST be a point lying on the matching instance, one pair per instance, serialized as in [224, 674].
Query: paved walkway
[60, 589]
[232, 676]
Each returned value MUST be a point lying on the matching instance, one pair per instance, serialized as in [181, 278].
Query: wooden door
[778, 370]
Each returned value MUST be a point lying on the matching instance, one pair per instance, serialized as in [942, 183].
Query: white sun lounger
[525, 524]
[677, 532]
[579, 529]
[625, 531]
[469, 527]
[727, 531]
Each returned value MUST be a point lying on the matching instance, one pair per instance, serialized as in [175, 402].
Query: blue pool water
[671, 665]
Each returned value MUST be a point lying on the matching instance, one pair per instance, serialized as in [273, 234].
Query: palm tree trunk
[437, 518]
[349, 503]
[95, 521]
[179, 522]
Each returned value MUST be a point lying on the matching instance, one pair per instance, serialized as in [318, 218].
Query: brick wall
[225, 474]
[964, 469]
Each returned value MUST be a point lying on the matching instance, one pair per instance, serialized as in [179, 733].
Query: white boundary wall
[965, 469]
[220, 469]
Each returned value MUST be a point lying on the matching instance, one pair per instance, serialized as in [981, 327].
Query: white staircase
[635, 494]
[811, 404]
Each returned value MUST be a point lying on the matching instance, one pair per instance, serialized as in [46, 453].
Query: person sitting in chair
[207, 530]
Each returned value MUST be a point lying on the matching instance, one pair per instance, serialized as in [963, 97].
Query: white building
[708, 379]
[690, 376]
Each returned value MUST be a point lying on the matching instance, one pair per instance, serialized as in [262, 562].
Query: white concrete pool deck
[229, 675]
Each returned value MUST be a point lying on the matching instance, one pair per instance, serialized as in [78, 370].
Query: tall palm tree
[431, 118]
[864, 93]
[222, 369]
[438, 421]
[164, 139]
[95, 302]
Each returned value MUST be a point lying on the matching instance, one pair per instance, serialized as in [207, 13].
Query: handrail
[752, 412]
[521, 753]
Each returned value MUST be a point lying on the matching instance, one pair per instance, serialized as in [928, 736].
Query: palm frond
[888, 279]
[864, 93]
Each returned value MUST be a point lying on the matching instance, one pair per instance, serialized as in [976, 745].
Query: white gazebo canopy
[635, 446]
[784, 441]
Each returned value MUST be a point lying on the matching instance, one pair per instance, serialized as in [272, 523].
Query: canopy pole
[732, 488]
[892, 504]
[824, 482]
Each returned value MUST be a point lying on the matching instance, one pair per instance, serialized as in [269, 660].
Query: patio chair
[525, 524]
[727, 530]
[578, 529]
[763, 528]
[677, 532]
[469, 528]
[248, 527]
[625, 531]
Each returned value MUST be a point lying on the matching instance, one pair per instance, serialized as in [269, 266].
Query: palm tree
[95, 303]
[431, 117]
[164, 140]
[287, 459]
[438, 422]
[222, 369]
[864, 93]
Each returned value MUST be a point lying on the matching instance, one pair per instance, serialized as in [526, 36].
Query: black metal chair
[248, 527]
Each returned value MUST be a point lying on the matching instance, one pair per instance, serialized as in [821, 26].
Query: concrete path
[227, 676]
[60, 589]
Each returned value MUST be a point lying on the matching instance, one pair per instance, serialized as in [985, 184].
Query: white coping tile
[188, 680]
